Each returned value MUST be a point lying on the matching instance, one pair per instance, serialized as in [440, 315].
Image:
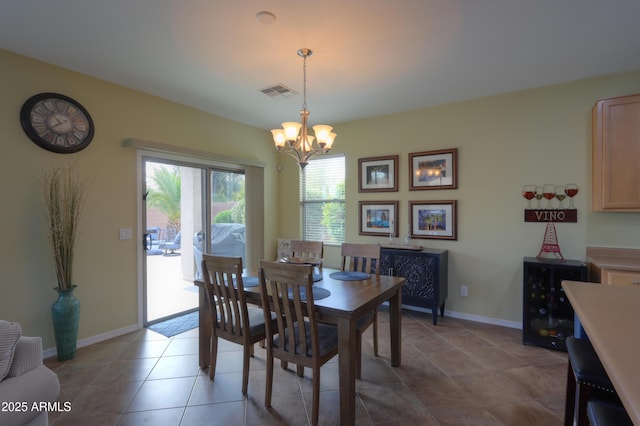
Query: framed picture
[284, 248]
[378, 174]
[378, 218]
[434, 219]
[433, 169]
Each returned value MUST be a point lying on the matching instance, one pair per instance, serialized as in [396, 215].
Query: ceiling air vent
[279, 91]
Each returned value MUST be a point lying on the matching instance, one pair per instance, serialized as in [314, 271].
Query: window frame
[305, 201]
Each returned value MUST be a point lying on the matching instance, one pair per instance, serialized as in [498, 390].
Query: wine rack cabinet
[547, 315]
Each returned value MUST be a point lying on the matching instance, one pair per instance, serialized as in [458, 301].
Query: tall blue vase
[65, 313]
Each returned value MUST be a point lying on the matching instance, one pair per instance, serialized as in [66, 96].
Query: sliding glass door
[189, 209]
[173, 212]
[226, 217]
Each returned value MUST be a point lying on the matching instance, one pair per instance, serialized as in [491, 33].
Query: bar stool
[602, 413]
[586, 377]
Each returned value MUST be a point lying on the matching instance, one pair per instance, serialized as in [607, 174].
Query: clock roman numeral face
[57, 123]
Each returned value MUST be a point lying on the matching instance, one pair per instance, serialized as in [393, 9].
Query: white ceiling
[371, 57]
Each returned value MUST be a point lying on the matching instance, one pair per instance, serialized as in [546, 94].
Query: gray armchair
[24, 380]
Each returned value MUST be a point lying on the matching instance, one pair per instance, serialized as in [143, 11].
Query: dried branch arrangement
[63, 195]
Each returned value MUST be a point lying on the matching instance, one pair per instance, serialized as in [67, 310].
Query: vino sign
[551, 215]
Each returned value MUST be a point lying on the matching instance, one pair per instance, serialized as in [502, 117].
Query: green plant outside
[165, 196]
[223, 217]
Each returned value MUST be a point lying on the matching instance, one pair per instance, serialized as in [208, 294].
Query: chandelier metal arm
[294, 138]
[303, 141]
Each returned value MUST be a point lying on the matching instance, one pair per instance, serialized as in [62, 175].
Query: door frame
[177, 159]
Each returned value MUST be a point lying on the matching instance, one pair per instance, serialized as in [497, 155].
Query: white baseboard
[470, 317]
[51, 352]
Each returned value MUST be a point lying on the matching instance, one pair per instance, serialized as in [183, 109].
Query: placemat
[253, 281]
[349, 276]
[247, 282]
[250, 281]
[318, 293]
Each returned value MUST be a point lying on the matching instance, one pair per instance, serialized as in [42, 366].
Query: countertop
[620, 263]
[610, 315]
[614, 258]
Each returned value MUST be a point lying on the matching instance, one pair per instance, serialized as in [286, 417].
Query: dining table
[610, 315]
[344, 300]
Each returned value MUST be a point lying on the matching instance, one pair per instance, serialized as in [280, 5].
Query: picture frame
[436, 220]
[284, 248]
[433, 169]
[378, 174]
[378, 218]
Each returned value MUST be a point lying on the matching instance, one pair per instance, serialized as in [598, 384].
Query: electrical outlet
[125, 233]
[464, 290]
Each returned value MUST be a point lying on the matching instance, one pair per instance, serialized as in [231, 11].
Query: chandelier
[294, 138]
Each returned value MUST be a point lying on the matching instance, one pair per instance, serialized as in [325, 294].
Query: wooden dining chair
[297, 336]
[363, 258]
[302, 248]
[305, 248]
[231, 318]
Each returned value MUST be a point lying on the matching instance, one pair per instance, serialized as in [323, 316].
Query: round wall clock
[56, 123]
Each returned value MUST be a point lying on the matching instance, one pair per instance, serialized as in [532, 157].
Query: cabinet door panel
[618, 277]
[420, 276]
[616, 154]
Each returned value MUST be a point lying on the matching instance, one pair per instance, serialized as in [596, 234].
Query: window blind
[322, 193]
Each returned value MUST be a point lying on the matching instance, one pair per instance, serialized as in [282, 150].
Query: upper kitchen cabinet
[616, 154]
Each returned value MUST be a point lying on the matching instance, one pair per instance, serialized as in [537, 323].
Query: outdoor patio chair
[171, 244]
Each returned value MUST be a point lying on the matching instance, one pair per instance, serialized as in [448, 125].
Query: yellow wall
[527, 137]
[534, 136]
[105, 267]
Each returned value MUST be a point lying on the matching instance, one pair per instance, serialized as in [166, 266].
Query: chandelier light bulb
[309, 143]
[291, 130]
[322, 132]
[329, 142]
[279, 138]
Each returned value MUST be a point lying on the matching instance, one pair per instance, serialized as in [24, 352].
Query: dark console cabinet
[425, 272]
[547, 315]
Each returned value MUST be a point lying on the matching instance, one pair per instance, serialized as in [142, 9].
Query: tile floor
[456, 373]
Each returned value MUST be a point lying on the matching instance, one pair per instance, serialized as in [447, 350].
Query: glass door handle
[146, 242]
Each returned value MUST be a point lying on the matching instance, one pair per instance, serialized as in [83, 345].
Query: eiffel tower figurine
[550, 247]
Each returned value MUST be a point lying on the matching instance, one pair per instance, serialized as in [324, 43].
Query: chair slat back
[301, 248]
[229, 307]
[361, 258]
[281, 286]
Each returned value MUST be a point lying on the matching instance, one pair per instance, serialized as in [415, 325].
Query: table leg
[395, 324]
[204, 329]
[347, 370]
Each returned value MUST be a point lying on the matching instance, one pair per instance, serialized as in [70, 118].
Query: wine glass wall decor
[550, 202]
[529, 193]
[571, 190]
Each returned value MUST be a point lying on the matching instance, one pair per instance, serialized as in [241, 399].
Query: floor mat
[177, 325]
